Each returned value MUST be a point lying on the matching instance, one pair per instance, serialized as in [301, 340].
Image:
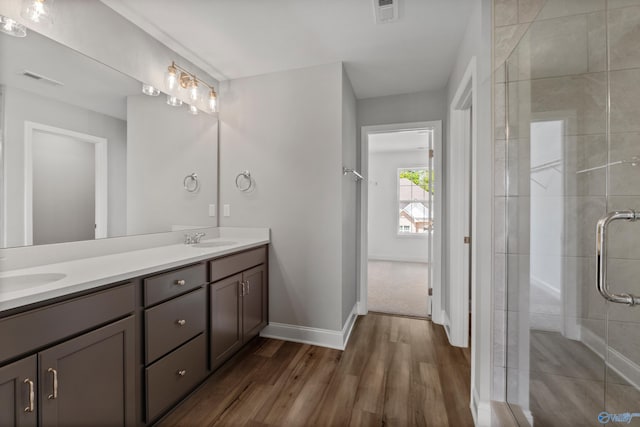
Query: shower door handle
[601, 256]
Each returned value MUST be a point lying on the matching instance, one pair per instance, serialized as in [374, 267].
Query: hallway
[395, 371]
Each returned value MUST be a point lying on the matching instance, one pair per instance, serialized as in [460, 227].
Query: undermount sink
[213, 244]
[26, 281]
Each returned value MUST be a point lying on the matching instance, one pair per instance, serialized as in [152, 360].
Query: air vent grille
[385, 11]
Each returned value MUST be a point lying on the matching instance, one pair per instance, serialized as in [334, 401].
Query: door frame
[436, 274]
[462, 208]
[101, 172]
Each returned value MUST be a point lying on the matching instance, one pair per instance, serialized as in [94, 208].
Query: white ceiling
[240, 38]
[409, 140]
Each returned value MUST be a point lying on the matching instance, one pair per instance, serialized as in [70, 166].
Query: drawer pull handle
[181, 282]
[54, 395]
[181, 322]
[32, 396]
[182, 372]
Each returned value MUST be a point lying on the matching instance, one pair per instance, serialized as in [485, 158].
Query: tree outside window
[414, 185]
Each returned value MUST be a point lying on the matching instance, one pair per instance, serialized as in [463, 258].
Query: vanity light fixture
[150, 90]
[187, 80]
[174, 101]
[11, 27]
[38, 11]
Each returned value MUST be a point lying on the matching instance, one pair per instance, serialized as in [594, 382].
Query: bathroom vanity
[126, 344]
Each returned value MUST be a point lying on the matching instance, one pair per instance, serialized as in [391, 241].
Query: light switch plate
[227, 210]
[212, 210]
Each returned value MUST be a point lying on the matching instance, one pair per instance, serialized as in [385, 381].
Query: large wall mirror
[85, 154]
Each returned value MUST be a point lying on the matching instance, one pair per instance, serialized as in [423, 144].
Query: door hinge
[430, 292]
[467, 240]
[431, 154]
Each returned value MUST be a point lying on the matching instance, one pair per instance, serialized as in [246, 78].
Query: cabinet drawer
[174, 322]
[167, 285]
[27, 331]
[166, 385]
[232, 264]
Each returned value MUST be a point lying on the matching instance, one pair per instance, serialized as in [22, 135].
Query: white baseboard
[313, 336]
[623, 366]
[480, 410]
[361, 309]
[379, 257]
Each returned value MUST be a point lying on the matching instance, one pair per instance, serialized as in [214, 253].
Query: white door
[64, 186]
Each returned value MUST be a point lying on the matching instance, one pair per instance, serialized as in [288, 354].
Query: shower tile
[500, 111]
[557, 8]
[580, 217]
[499, 386]
[625, 177]
[528, 9]
[499, 281]
[499, 172]
[505, 40]
[499, 225]
[623, 236]
[582, 153]
[505, 12]
[625, 101]
[518, 283]
[518, 166]
[624, 38]
[499, 74]
[597, 41]
[517, 340]
[518, 225]
[579, 101]
[614, 4]
[499, 338]
[558, 47]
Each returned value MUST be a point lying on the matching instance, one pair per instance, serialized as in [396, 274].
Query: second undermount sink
[213, 244]
[26, 281]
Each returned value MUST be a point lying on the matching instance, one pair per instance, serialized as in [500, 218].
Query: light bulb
[193, 90]
[150, 90]
[193, 110]
[174, 101]
[38, 11]
[172, 77]
[11, 27]
[213, 101]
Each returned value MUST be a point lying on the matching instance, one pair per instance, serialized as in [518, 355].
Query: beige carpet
[398, 287]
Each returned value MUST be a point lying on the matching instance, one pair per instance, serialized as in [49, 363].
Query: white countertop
[85, 274]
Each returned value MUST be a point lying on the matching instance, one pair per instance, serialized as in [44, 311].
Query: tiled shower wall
[556, 64]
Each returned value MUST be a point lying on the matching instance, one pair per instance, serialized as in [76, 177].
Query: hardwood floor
[395, 372]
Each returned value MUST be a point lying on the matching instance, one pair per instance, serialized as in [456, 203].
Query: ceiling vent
[41, 78]
[386, 11]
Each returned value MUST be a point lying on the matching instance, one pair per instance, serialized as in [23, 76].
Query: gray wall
[384, 242]
[349, 194]
[21, 106]
[410, 107]
[158, 159]
[286, 129]
[477, 42]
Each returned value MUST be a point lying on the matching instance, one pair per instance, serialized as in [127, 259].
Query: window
[413, 201]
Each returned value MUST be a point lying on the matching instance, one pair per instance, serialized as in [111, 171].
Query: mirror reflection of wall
[69, 144]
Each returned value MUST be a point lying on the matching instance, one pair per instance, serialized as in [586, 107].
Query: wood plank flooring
[396, 371]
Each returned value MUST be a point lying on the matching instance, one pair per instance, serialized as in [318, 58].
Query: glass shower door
[572, 155]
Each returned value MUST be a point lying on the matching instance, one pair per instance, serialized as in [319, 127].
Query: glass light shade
[193, 110]
[11, 27]
[174, 101]
[193, 90]
[150, 90]
[172, 78]
[38, 11]
[213, 101]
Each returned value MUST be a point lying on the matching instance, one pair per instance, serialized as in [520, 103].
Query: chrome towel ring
[191, 183]
[244, 181]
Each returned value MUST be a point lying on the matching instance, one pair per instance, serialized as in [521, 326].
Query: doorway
[65, 185]
[400, 212]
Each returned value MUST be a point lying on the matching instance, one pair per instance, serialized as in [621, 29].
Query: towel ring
[191, 183]
[246, 175]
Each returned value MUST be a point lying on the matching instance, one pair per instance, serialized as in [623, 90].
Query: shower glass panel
[573, 154]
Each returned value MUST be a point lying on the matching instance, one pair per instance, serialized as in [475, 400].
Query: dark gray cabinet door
[18, 385]
[254, 302]
[226, 332]
[90, 380]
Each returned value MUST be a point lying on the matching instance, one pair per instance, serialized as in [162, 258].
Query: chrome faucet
[193, 238]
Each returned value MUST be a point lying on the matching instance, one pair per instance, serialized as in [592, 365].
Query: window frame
[409, 234]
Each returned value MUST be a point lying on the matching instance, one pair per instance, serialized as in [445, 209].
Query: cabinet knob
[31, 396]
[181, 282]
[181, 322]
[182, 372]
